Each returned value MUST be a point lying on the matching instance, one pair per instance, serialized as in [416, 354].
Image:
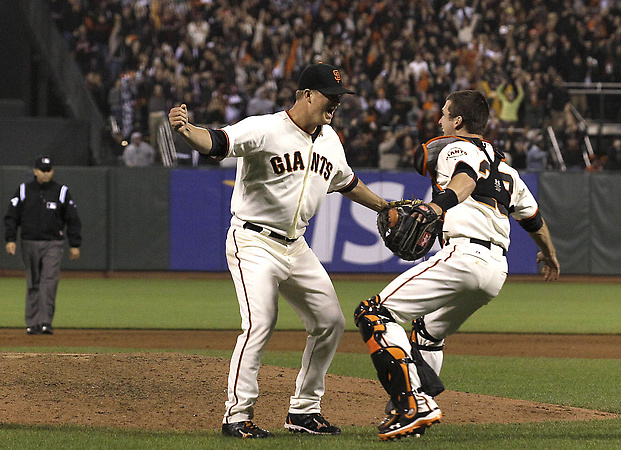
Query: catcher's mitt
[409, 228]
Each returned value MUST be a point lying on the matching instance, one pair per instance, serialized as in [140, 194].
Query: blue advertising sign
[343, 234]
[199, 218]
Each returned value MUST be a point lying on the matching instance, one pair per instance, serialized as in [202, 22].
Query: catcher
[475, 191]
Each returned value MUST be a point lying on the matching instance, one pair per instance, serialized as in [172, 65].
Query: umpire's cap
[323, 78]
[43, 163]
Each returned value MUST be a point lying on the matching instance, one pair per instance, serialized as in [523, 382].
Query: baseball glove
[409, 228]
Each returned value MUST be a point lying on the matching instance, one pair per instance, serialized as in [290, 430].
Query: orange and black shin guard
[391, 363]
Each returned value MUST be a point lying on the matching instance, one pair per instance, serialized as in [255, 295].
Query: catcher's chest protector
[494, 190]
[426, 155]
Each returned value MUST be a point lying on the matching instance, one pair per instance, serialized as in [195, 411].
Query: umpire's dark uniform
[42, 208]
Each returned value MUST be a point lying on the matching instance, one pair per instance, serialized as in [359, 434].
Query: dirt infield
[486, 344]
[176, 391]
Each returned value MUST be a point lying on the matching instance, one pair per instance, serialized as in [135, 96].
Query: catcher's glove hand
[409, 228]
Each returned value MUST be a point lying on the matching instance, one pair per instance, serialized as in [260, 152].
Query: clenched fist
[178, 118]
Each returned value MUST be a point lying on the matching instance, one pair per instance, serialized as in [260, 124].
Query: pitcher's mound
[172, 391]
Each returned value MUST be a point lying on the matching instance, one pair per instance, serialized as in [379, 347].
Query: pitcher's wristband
[446, 199]
[219, 143]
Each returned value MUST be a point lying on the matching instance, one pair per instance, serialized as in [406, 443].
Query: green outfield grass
[201, 304]
[521, 307]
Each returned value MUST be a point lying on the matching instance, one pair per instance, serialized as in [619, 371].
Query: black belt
[486, 244]
[272, 234]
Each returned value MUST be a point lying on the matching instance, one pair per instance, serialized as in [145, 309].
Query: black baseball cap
[323, 78]
[43, 163]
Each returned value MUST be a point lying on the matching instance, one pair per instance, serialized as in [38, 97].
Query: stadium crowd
[230, 59]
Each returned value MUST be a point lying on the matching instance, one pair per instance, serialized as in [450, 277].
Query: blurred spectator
[572, 153]
[383, 107]
[218, 55]
[510, 102]
[158, 106]
[536, 158]
[260, 103]
[389, 153]
[115, 58]
[408, 146]
[419, 67]
[558, 101]
[613, 160]
[428, 126]
[519, 154]
[115, 102]
[366, 144]
[414, 114]
[84, 51]
[467, 26]
[112, 145]
[396, 149]
[216, 109]
[198, 30]
[492, 133]
[68, 15]
[94, 84]
[534, 110]
[138, 153]
[234, 105]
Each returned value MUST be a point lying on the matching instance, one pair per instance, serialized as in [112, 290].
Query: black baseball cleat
[396, 426]
[35, 329]
[417, 432]
[46, 328]
[244, 430]
[310, 423]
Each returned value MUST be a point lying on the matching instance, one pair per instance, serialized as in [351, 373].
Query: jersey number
[494, 190]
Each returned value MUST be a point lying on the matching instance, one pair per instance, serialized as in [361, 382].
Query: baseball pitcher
[287, 163]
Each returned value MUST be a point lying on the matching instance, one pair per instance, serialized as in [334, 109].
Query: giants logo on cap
[337, 75]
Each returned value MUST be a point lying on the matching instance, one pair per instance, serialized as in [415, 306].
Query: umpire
[42, 208]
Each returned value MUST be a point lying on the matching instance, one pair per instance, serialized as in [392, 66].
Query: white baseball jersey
[471, 269]
[283, 176]
[481, 216]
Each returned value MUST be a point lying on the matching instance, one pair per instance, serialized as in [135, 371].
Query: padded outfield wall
[176, 219]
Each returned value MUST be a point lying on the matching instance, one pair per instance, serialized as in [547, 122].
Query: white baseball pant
[262, 268]
[445, 290]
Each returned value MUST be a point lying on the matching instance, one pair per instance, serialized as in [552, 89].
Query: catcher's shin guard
[391, 363]
[422, 341]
